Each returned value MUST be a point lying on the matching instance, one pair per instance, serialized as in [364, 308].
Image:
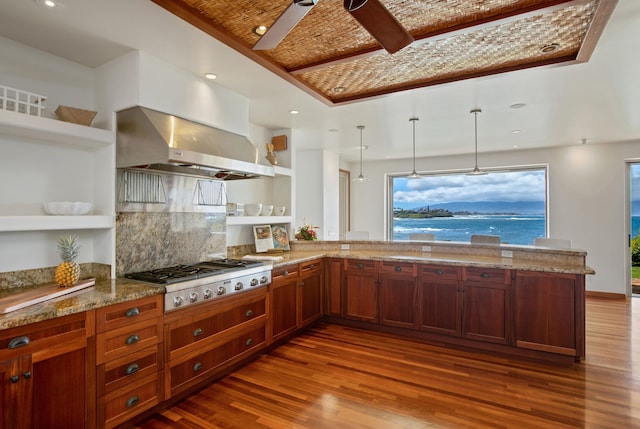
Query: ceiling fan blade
[284, 24]
[380, 23]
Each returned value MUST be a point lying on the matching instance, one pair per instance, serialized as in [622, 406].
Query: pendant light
[413, 174]
[360, 177]
[476, 171]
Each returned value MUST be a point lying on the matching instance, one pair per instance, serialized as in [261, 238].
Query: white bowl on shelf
[252, 209]
[279, 211]
[67, 208]
[266, 210]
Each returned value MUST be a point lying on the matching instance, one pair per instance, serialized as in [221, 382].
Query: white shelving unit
[257, 220]
[54, 223]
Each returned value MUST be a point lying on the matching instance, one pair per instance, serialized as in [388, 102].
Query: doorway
[632, 224]
[344, 204]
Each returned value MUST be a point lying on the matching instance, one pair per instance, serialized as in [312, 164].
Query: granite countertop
[297, 256]
[103, 293]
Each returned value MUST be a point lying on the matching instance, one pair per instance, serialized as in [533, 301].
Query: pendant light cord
[414, 174]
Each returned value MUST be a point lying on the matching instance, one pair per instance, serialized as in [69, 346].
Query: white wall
[586, 199]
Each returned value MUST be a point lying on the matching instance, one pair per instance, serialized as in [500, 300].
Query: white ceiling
[598, 101]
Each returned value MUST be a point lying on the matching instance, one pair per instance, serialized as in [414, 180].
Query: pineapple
[68, 272]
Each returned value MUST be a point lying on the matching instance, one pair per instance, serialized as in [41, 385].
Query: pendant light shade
[476, 171]
[360, 177]
[414, 174]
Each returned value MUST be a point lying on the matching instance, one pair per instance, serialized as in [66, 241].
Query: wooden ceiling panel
[454, 40]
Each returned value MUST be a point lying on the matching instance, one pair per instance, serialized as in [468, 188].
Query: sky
[515, 186]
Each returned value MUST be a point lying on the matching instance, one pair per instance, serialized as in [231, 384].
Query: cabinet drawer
[361, 265]
[209, 360]
[121, 405]
[310, 266]
[288, 271]
[437, 273]
[487, 275]
[402, 268]
[181, 336]
[128, 339]
[126, 313]
[129, 369]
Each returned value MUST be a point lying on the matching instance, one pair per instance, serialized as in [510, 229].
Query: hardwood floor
[338, 377]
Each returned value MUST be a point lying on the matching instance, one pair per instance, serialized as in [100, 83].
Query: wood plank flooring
[339, 377]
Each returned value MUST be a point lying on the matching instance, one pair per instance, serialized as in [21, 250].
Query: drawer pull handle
[132, 401]
[132, 369]
[18, 342]
[197, 367]
[249, 341]
[398, 268]
[27, 375]
[301, 284]
[285, 273]
[132, 339]
[14, 379]
[197, 332]
[361, 266]
[132, 312]
[485, 275]
[312, 266]
[249, 313]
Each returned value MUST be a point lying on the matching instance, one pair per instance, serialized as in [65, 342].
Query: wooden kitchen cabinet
[310, 292]
[45, 382]
[361, 290]
[549, 312]
[284, 301]
[129, 359]
[486, 304]
[440, 299]
[398, 294]
[205, 339]
[333, 296]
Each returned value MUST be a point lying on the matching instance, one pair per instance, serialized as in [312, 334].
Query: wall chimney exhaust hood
[152, 140]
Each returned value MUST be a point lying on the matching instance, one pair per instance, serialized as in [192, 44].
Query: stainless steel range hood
[153, 140]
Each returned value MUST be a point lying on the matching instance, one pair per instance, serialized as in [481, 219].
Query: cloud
[508, 186]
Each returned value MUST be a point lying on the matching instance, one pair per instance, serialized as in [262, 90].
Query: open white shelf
[257, 220]
[53, 131]
[282, 171]
[51, 223]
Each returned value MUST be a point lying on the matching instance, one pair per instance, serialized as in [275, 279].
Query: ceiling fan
[371, 14]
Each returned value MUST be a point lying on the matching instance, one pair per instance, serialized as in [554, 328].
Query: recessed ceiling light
[552, 47]
[294, 112]
[516, 131]
[515, 146]
[339, 89]
[333, 130]
[260, 30]
[210, 76]
[51, 4]
[517, 105]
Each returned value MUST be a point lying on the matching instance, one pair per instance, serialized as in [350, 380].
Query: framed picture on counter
[263, 237]
[280, 237]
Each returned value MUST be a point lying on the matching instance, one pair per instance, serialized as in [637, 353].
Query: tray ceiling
[329, 55]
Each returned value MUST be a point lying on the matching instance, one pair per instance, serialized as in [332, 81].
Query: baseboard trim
[604, 295]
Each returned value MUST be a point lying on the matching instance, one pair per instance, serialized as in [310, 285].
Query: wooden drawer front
[486, 275]
[128, 339]
[361, 265]
[287, 271]
[201, 329]
[121, 405]
[47, 336]
[398, 268]
[129, 369]
[119, 315]
[205, 363]
[310, 266]
[437, 273]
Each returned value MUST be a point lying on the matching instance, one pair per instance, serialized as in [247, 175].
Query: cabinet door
[486, 305]
[545, 312]
[284, 301]
[16, 392]
[310, 292]
[398, 295]
[440, 300]
[333, 287]
[361, 288]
